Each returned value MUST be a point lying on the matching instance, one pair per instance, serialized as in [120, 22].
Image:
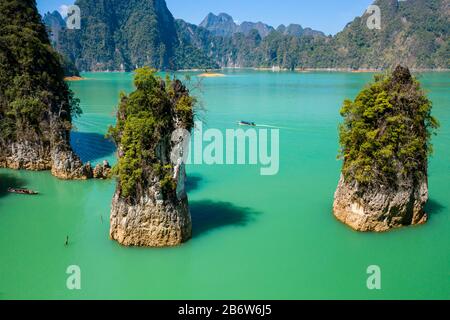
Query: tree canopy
[387, 130]
[146, 119]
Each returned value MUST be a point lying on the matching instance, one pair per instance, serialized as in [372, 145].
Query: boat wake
[268, 126]
[275, 127]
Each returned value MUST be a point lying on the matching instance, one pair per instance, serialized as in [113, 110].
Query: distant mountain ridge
[224, 25]
[298, 31]
[123, 35]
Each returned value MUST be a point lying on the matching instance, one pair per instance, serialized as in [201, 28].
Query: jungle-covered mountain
[123, 35]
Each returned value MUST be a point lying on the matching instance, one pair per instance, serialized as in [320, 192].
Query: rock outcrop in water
[150, 205]
[36, 105]
[102, 171]
[385, 142]
[40, 156]
[383, 208]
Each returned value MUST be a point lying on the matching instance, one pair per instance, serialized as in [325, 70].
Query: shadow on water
[210, 215]
[193, 182]
[10, 181]
[433, 207]
[91, 146]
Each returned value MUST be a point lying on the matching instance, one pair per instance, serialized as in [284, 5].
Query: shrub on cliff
[145, 122]
[387, 130]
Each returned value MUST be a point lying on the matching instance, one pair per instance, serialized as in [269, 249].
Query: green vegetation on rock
[32, 87]
[387, 130]
[146, 119]
[119, 35]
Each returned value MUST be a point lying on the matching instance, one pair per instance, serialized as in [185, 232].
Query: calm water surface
[255, 237]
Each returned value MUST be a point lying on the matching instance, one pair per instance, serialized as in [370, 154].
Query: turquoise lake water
[255, 237]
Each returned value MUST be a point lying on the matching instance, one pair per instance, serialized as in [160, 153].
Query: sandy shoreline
[212, 75]
[74, 78]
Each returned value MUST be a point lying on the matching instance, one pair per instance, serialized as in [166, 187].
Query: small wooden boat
[22, 191]
[247, 123]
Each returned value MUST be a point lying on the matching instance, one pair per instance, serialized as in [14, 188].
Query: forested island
[385, 141]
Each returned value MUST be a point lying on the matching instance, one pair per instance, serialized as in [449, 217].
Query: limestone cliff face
[382, 208]
[49, 150]
[66, 165]
[151, 219]
[26, 155]
[43, 155]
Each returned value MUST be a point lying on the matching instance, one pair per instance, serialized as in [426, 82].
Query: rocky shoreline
[63, 163]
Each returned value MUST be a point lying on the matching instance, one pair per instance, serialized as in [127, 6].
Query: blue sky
[329, 16]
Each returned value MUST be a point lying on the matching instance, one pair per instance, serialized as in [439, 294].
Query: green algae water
[255, 237]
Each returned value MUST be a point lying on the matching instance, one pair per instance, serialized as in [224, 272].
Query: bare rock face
[66, 165]
[102, 171]
[42, 155]
[380, 209]
[151, 221]
[26, 155]
[50, 150]
[39, 156]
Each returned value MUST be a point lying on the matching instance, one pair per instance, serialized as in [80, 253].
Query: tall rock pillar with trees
[385, 144]
[150, 205]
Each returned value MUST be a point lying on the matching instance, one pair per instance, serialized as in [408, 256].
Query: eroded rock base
[150, 223]
[380, 209]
